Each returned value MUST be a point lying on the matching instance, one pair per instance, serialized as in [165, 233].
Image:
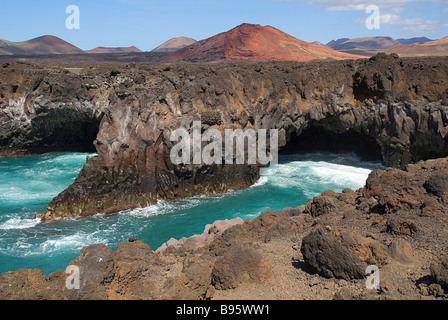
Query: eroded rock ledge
[384, 107]
[397, 222]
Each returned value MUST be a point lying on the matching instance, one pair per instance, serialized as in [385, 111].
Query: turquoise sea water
[28, 184]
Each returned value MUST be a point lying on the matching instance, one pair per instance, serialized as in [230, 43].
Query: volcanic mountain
[254, 43]
[431, 48]
[174, 44]
[41, 45]
[114, 50]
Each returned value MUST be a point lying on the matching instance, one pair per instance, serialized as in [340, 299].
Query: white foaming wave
[164, 207]
[75, 241]
[63, 158]
[17, 224]
[342, 175]
[44, 174]
[19, 195]
[294, 174]
[19, 248]
[261, 182]
[142, 212]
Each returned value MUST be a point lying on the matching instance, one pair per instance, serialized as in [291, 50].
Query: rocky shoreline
[388, 108]
[320, 251]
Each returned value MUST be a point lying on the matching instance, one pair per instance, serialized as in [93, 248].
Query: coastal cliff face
[48, 109]
[319, 251]
[384, 108]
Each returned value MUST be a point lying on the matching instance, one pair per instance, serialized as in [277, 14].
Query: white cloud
[361, 5]
[398, 10]
[348, 7]
[423, 28]
[408, 24]
[390, 12]
[397, 19]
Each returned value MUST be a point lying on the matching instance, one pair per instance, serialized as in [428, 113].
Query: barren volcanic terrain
[431, 48]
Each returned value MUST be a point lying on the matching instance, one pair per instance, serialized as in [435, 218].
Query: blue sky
[146, 24]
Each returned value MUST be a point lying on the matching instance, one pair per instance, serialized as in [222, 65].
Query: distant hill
[41, 45]
[334, 43]
[254, 43]
[47, 45]
[174, 44]
[366, 45]
[317, 43]
[114, 50]
[414, 40]
[369, 46]
[431, 48]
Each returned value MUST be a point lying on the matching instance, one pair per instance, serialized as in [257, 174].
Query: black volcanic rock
[383, 108]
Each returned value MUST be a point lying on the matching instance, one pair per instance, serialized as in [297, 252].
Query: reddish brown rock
[399, 226]
[240, 266]
[26, 284]
[401, 250]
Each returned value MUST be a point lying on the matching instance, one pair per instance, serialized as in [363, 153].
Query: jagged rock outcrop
[48, 109]
[383, 107]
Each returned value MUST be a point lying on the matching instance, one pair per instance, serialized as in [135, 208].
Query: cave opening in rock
[316, 138]
[65, 131]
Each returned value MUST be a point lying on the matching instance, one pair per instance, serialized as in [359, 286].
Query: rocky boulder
[341, 255]
[211, 232]
[439, 272]
[240, 265]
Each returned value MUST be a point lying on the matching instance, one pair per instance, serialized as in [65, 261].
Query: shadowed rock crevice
[317, 138]
[65, 130]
